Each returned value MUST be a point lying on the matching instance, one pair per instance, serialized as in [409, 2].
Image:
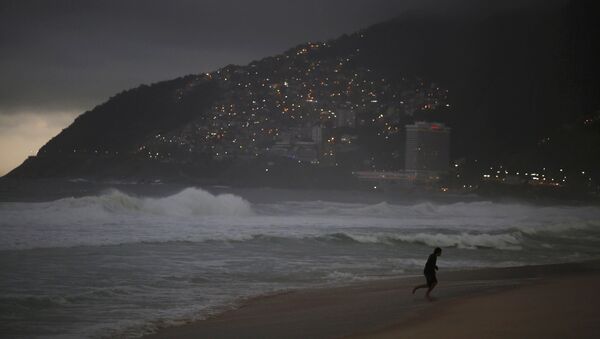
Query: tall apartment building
[427, 147]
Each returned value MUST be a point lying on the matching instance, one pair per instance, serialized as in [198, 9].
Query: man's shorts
[431, 279]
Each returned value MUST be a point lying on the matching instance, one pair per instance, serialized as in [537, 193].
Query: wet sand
[558, 308]
[550, 301]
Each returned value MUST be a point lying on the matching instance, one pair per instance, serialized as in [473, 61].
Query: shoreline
[381, 308]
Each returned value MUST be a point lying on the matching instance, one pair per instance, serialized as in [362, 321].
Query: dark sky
[59, 58]
[60, 55]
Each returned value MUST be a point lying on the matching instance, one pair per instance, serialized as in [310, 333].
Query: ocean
[117, 264]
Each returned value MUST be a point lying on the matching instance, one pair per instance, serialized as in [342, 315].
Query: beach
[545, 301]
[558, 308]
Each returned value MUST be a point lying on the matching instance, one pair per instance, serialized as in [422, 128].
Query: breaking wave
[189, 202]
[510, 241]
[474, 210]
[195, 215]
[191, 253]
[19, 303]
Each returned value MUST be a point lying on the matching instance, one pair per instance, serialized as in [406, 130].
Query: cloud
[60, 54]
[21, 135]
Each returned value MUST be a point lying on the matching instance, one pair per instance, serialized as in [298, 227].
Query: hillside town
[299, 106]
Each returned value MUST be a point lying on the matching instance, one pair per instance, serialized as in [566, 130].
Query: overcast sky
[60, 58]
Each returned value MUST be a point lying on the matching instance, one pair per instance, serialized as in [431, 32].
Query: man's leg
[431, 287]
[420, 286]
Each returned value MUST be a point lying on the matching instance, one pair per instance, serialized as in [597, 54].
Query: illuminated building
[427, 147]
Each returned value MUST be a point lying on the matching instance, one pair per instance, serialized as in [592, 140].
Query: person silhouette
[429, 272]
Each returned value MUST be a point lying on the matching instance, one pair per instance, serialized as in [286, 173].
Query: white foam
[511, 241]
[465, 240]
[197, 215]
[337, 276]
[189, 202]
[193, 201]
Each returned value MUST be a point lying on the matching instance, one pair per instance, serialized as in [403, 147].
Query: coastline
[386, 308]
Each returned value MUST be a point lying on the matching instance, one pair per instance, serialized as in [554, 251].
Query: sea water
[120, 265]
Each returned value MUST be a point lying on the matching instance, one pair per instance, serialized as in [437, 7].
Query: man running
[429, 272]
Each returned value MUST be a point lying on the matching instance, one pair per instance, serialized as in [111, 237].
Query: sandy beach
[558, 308]
[550, 301]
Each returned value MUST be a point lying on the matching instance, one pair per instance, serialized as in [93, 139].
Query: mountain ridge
[503, 83]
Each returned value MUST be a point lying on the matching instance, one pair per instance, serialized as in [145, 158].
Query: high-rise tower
[427, 147]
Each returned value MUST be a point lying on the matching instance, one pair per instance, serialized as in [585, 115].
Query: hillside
[506, 83]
